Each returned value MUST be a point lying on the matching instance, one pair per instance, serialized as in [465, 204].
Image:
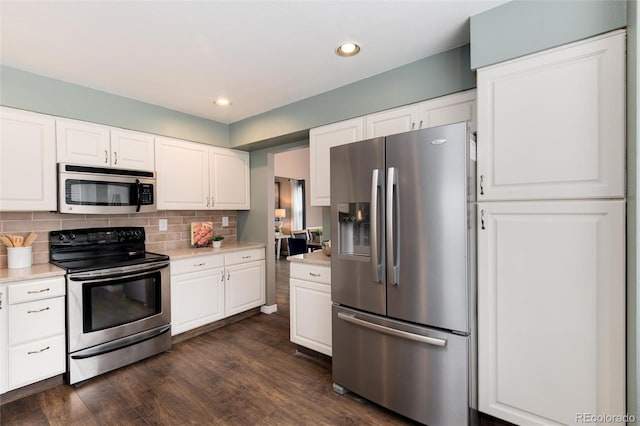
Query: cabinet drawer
[311, 272]
[36, 361]
[35, 320]
[36, 290]
[243, 256]
[196, 263]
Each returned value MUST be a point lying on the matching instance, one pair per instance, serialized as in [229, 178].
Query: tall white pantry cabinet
[551, 234]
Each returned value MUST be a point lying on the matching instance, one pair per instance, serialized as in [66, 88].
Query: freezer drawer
[418, 372]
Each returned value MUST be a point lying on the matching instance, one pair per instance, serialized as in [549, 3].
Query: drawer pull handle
[38, 291]
[39, 310]
[195, 265]
[37, 352]
[314, 275]
[246, 257]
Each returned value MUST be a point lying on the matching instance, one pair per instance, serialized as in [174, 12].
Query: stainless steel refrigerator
[403, 266]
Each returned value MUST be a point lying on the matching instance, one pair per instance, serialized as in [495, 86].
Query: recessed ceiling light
[222, 102]
[348, 49]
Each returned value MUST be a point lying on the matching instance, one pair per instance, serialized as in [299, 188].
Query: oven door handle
[121, 343]
[98, 276]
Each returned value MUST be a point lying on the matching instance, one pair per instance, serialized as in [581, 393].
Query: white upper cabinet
[96, 145]
[197, 176]
[552, 125]
[390, 122]
[435, 112]
[27, 161]
[321, 140]
[448, 110]
[182, 174]
[132, 150]
[230, 177]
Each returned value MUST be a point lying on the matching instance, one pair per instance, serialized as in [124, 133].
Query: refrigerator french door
[403, 272]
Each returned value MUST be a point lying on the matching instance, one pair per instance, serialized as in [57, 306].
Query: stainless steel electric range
[118, 298]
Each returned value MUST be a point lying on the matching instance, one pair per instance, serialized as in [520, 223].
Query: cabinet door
[27, 161]
[83, 143]
[393, 121]
[230, 181]
[321, 140]
[551, 310]
[35, 361]
[448, 110]
[132, 150]
[4, 340]
[552, 125]
[245, 287]
[182, 174]
[310, 315]
[197, 299]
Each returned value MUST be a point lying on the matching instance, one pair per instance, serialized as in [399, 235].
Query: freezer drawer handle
[393, 332]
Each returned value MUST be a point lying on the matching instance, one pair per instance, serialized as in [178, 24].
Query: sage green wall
[633, 277]
[442, 74]
[256, 225]
[521, 27]
[32, 92]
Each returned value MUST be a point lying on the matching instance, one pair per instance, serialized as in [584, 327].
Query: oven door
[109, 304]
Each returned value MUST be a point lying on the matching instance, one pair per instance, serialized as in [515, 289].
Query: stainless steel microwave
[101, 190]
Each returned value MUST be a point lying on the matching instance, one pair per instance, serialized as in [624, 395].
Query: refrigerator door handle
[393, 246]
[392, 331]
[375, 246]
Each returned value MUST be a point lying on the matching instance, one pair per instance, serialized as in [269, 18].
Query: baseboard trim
[269, 309]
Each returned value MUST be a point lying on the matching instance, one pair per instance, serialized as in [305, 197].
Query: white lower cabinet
[197, 292]
[205, 289]
[35, 331]
[551, 310]
[4, 339]
[245, 281]
[310, 303]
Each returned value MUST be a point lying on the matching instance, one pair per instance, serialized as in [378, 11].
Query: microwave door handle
[139, 195]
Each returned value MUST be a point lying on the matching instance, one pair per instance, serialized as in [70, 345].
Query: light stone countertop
[317, 257]
[46, 270]
[37, 271]
[226, 248]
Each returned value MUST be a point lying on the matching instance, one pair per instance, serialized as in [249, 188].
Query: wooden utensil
[6, 241]
[17, 240]
[30, 239]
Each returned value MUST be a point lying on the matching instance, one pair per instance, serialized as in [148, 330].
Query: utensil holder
[19, 257]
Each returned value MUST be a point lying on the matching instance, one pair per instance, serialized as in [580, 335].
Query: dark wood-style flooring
[246, 373]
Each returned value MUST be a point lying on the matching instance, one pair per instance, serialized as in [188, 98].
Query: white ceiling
[259, 54]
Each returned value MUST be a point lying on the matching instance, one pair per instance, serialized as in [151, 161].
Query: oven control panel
[96, 236]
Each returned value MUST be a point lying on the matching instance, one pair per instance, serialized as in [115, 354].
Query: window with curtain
[297, 204]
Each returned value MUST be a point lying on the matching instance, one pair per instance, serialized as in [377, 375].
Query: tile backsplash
[175, 237]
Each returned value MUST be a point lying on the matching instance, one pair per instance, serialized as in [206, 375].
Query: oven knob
[61, 237]
[72, 236]
[138, 233]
